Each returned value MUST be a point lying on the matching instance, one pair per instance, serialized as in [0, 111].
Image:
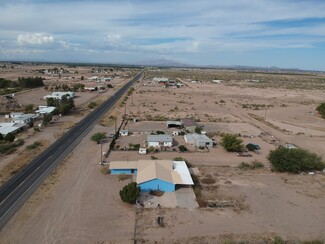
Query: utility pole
[115, 125]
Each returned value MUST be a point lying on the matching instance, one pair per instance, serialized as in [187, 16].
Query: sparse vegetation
[10, 147]
[321, 109]
[98, 136]
[134, 147]
[156, 193]
[122, 177]
[92, 105]
[36, 144]
[295, 160]
[253, 165]
[29, 108]
[179, 159]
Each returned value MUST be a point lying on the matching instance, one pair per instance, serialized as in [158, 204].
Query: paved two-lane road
[20, 187]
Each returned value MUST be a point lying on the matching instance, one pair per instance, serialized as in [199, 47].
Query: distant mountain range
[164, 63]
[171, 63]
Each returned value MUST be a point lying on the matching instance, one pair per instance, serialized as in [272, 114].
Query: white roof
[159, 138]
[46, 110]
[181, 168]
[173, 122]
[6, 128]
[197, 137]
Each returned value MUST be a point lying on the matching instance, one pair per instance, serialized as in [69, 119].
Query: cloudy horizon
[286, 34]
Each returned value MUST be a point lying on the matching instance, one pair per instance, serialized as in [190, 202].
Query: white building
[95, 78]
[6, 128]
[160, 79]
[159, 141]
[198, 140]
[59, 95]
[44, 110]
[24, 118]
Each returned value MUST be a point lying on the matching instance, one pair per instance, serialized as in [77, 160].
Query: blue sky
[283, 33]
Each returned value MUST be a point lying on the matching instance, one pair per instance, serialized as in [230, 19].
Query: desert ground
[79, 203]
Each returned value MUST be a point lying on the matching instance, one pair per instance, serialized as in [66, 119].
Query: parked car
[253, 147]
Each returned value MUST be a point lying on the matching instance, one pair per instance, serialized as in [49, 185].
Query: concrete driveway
[181, 198]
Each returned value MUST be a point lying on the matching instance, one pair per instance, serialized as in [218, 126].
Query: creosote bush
[232, 143]
[295, 160]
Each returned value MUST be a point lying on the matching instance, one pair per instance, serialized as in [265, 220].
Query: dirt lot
[78, 204]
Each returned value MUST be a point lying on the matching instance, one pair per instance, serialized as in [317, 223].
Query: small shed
[142, 151]
[124, 132]
[189, 124]
[123, 167]
[173, 124]
[198, 140]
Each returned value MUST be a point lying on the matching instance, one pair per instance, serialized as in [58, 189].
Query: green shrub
[9, 137]
[179, 159]
[321, 110]
[295, 160]
[98, 136]
[198, 130]
[182, 148]
[231, 142]
[130, 193]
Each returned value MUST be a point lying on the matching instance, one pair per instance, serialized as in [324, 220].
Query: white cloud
[35, 39]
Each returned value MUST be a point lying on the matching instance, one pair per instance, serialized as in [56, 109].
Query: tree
[47, 118]
[31, 82]
[98, 136]
[295, 160]
[182, 148]
[198, 130]
[231, 143]
[9, 137]
[1, 137]
[130, 193]
[321, 110]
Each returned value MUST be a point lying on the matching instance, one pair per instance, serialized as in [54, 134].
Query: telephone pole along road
[22, 185]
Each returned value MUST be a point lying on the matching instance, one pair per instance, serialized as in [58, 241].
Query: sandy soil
[78, 204]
